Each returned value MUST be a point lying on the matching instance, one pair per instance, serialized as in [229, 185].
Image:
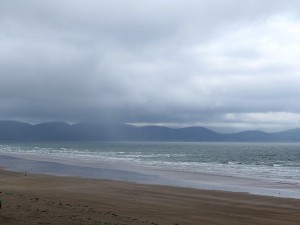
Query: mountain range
[12, 131]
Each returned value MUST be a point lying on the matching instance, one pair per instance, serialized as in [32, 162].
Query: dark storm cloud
[213, 63]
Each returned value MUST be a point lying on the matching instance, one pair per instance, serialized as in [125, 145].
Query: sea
[258, 168]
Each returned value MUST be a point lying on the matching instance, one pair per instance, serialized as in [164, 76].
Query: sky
[228, 65]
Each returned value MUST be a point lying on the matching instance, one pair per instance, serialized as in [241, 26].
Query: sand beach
[43, 199]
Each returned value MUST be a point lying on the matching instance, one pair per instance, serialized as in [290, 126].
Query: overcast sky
[223, 64]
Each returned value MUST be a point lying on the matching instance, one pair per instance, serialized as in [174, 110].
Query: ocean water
[265, 162]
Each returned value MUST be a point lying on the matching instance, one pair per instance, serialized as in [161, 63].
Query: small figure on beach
[25, 173]
[0, 204]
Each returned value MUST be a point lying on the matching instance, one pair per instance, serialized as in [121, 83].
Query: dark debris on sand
[21, 209]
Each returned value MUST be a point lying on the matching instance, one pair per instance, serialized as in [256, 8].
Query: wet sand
[43, 199]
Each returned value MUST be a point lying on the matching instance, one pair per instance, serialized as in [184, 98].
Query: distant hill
[288, 135]
[59, 131]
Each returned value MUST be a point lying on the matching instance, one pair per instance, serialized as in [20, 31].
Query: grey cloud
[142, 61]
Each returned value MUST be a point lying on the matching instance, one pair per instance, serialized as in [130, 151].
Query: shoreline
[46, 199]
[154, 176]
